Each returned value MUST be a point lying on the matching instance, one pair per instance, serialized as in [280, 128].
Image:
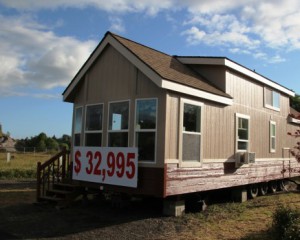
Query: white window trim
[237, 116]
[181, 132]
[118, 131]
[146, 130]
[93, 131]
[265, 100]
[271, 149]
[74, 124]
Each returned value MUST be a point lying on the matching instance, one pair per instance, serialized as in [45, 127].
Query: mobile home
[193, 124]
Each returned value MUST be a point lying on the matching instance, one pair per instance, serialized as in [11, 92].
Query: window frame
[237, 117]
[190, 163]
[93, 131]
[271, 106]
[74, 125]
[146, 130]
[272, 150]
[118, 131]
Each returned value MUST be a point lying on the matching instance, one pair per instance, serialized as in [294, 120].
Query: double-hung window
[145, 128]
[272, 136]
[93, 125]
[77, 126]
[272, 99]
[118, 124]
[242, 132]
[191, 133]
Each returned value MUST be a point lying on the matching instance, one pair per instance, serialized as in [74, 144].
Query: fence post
[38, 181]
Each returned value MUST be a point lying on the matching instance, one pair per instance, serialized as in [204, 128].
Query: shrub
[286, 223]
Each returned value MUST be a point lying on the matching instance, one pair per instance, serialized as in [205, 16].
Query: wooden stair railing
[57, 169]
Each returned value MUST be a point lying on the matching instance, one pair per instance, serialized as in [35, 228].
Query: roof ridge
[143, 45]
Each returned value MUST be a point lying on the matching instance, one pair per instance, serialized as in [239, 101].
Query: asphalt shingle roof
[168, 67]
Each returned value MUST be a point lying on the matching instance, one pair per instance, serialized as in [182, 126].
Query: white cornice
[237, 67]
[166, 84]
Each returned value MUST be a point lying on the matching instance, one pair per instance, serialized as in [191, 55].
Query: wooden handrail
[56, 169]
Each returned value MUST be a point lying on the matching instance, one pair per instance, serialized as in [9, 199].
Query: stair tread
[60, 191]
[52, 198]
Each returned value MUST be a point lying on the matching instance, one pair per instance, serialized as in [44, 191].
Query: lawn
[21, 165]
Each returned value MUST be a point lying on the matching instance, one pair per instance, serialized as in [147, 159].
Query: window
[190, 140]
[242, 132]
[93, 125]
[145, 128]
[272, 99]
[272, 136]
[118, 124]
[77, 126]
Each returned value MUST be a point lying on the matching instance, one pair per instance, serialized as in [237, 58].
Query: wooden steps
[62, 193]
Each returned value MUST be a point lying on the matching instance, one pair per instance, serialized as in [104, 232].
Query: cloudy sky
[43, 44]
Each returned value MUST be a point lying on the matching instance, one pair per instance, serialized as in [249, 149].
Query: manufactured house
[198, 123]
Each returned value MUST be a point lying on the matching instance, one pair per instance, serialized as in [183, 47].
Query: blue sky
[44, 43]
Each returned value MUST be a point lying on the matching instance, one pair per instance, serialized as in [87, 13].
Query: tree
[295, 102]
[296, 151]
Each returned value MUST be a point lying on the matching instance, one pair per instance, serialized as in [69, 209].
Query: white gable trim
[228, 63]
[166, 84]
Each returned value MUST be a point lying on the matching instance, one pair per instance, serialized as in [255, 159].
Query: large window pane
[93, 139]
[243, 129]
[78, 120]
[191, 118]
[242, 145]
[276, 100]
[94, 118]
[146, 114]
[118, 116]
[145, 128]
[118, 139]
[77, 126]
[191, 147]
[146, 145]
[77, 139]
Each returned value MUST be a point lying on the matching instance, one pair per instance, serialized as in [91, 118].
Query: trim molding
[195, 92]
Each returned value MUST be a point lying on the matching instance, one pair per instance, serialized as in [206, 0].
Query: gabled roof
[224, 61]
[164, 70]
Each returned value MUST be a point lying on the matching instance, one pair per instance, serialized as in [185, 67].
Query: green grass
[251, 220]
[21, 165]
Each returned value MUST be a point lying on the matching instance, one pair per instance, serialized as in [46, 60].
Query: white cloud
[151, 7]
[117, 25]
[33, 57]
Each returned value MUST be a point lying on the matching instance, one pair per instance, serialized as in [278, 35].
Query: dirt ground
[22, 218]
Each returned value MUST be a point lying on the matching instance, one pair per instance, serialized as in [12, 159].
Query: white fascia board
[228, 63]
[195, 92]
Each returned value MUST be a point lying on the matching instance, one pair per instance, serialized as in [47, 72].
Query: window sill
[190, 164]
[272, 108]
